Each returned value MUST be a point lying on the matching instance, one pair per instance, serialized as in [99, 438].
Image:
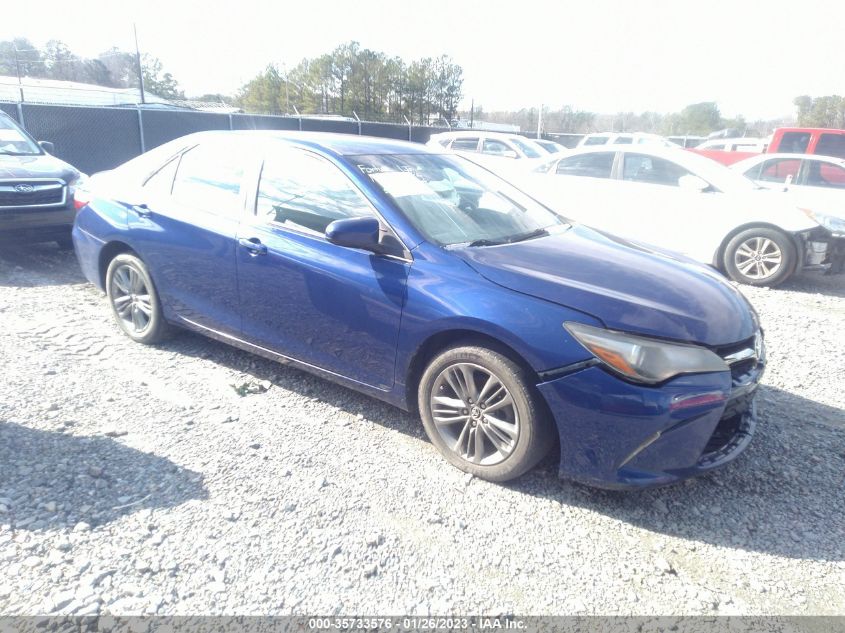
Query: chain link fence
[98, 138]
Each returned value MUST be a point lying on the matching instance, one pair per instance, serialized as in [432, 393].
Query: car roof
[659, 151]
[810, 129]
[334, 143]
[763, 157]
[736, 139]
[476, 133]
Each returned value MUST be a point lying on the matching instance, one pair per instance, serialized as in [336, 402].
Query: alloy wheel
[131, 299]
[758, 258]
[474, 414]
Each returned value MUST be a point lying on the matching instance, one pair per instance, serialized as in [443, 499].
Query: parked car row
[785, 140]
[687, 203]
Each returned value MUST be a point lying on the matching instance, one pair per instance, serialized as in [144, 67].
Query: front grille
[39, 193]
[737, 421]
[742, 360]
[741, 371]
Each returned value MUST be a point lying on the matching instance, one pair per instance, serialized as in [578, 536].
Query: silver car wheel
[758, 258]
[474, 414]
[131, 299]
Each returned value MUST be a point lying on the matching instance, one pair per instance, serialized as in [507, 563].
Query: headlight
[78, 193]
[643, 359]
[830, 222]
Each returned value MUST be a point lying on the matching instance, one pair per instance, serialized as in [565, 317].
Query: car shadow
[816, 283]
[53, 481]
[785, 496]
[31, 265]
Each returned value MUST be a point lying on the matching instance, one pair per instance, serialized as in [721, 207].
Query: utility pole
[287, 96]
[472, 113]
[18, 70]
[138, 63]
[540, 122]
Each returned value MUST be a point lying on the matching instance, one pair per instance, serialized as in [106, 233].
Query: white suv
[625, 138]
[496, 144]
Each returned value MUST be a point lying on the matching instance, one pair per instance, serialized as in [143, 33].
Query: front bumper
[36, 225]
[615, 434]
[823, 251]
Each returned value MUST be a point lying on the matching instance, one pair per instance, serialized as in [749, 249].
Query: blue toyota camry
[424, 280]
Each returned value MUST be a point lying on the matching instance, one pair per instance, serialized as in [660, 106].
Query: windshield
[527, 149]
[452, 201]
[14, 141]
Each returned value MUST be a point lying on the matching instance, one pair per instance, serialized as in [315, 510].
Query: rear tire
[760, 257]
[134, 300]
[481, 411]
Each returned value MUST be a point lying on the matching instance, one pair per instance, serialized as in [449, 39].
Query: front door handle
[253, 245]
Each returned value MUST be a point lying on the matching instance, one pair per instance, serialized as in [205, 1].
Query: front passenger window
[304, 192]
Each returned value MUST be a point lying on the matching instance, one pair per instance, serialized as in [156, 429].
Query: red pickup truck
[790, 140]
[808, 140]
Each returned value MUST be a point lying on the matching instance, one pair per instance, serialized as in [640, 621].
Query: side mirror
[692, 183]
[47, 146]
[510, 154]
[360, 233]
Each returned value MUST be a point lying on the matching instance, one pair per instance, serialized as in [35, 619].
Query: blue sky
[752, 58]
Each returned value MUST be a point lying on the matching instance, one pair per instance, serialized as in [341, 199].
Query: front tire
[134, 300]
[760, 257]
[480, 410]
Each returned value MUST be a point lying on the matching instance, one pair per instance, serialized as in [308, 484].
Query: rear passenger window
[598, 165]
[209, 179]
[831, 145]
[778, 169]
[652, 170]
[497, 148]
[161, 182]
[304, 192]
[465, 144]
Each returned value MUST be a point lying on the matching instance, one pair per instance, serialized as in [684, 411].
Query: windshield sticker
[371, 169]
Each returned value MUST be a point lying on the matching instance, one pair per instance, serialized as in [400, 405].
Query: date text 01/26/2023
[430, 623]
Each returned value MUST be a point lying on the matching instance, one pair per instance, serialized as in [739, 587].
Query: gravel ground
[139, 480]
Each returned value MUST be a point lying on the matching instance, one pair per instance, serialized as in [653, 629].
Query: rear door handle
[253, 245]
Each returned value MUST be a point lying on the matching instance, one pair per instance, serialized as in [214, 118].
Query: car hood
[40, 166]
[627, 286]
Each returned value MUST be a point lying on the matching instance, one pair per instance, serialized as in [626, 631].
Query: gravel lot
[138, 480]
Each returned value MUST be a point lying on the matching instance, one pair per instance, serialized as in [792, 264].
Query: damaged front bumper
[616, 434]
[823, 250]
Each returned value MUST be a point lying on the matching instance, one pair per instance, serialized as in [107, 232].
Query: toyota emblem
[24, 188]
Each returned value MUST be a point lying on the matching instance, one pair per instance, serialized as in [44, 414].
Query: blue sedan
[421, 279]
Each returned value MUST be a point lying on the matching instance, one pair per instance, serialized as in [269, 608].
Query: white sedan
[807, 180]
[686, 203]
